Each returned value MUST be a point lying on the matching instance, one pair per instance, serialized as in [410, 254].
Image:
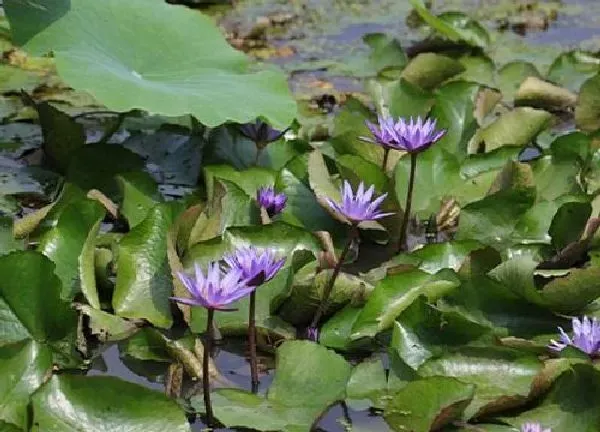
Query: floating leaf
[572, 404]
[570, 293]
[30, 301]
[587, 111]
[65, 244]
[71, 403]
[395, 293]
[538, 93]
[428, 70]
[503, 378]
[515, 128]
[386, 52]
[572, 68]
[309, 379]
[140, 193]
[428, 404]
[511, 75]
[126, 65]
[143, 283]
[24, 367]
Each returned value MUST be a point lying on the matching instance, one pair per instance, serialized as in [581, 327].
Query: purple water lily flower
[256, 266]
[360, 206]
[533, 427]
[261, 132]
[586, 337]
[384, 133]
[215, 290]
[273, 202]
[407, 135]
[418, 135]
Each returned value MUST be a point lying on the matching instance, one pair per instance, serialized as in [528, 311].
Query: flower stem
[336, 271]
[258, 153]
[386, 153]
[205, 362]
[252, 342]
[411, 183]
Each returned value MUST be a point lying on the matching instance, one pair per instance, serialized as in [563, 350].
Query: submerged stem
[252, 342]
[336, 271]
[411, 183]
[205, 362]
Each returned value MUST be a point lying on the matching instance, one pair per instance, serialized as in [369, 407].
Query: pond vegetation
[376, 215]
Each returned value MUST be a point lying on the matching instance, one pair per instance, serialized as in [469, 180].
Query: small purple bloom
[418, 135]
[271, 201]
[533, 427]
[360, 206]
[261, 133]
[586, 337]
[256, 266]
[385, 133]
[312, 334]
[215, 290]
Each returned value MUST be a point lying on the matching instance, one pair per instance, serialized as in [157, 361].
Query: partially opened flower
[419, 135]
[360, 206]
[534, 427]
[384, 133]
[217, 289]
[261, 133]
[586, 337]
[256, 266]
[272, 202]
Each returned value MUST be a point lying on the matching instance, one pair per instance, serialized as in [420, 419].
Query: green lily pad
[8, 242]
[572, 403]
[406, 99]
[24, 367]
[571, 293]
[438, 176]
[432, 258]
[511, 75]
[454, 111]
[428, 404]
[386, 52]
[65, 244]
[30, 300]
[515, 128]
[143, 285]
[503, 378]
[140, 193]
[423, 332]
[395, 293]
[71, 403]
[455, 26]
[428, 70]
[587, 111]
[572, 68]
[204, 76]
[309, 379]
[307, 292]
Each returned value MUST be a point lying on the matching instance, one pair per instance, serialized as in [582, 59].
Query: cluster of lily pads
[407, 257]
